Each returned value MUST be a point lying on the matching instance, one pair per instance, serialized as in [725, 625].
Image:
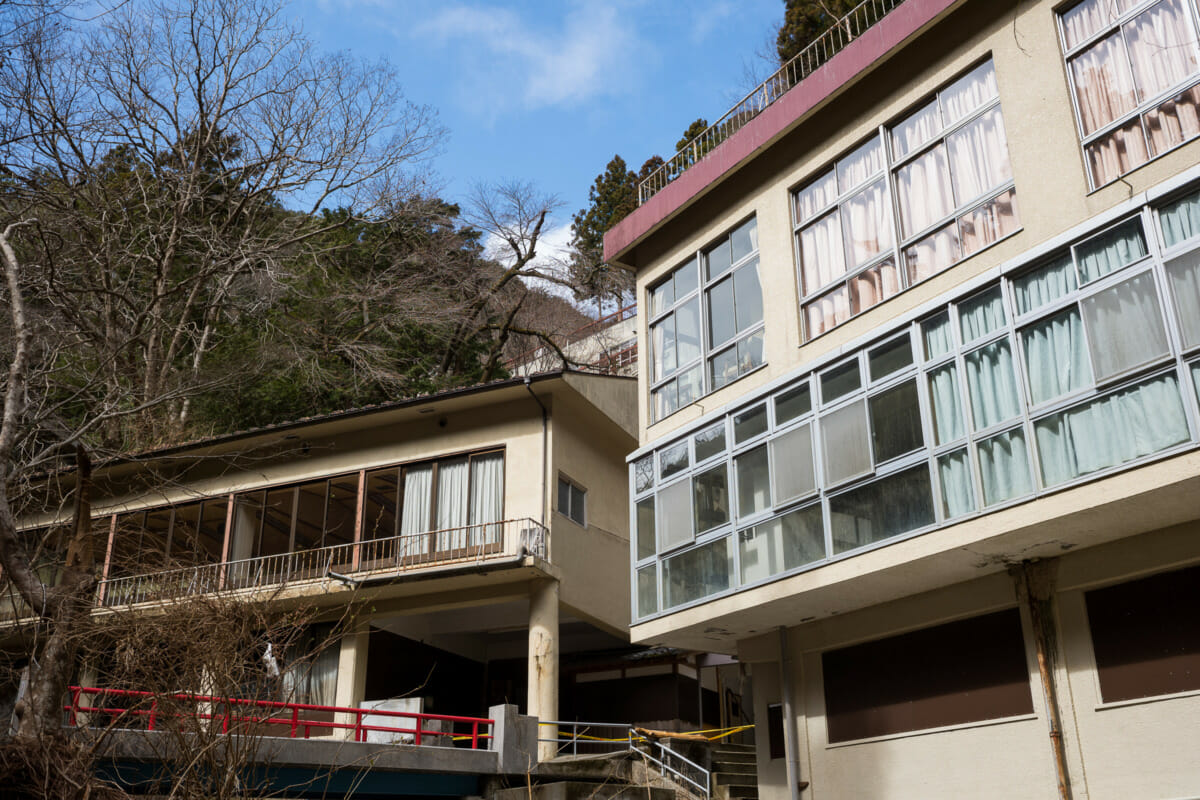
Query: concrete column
[352, 674]
[543, 661]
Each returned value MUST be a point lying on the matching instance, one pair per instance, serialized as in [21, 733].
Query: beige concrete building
[919, 430]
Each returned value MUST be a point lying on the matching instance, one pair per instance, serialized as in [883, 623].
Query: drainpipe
[790, 745]
[536, 399]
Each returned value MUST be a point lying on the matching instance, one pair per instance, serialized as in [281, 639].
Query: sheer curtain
[1184, 274]
[958, 495]
[867, 217]
[1110, 251]
[1125, 326]
[855, 168]
[1090, 16]
[1116, 153]
[979, 157]
[452, 503]
[991, 384]
[873, 286]
[1119, 427]
[1162, 47]
[1004, 467]
[821, 252]
[937, 335]
[1044, 285]
[989, 222]
[1174, 122]
[947, 410]
[414, 516]
[815, 197]
[1180, 220]
[1103, 83]
[932, 254]
[981, 315]
[487, 496]
[1056, 357]
[969, 92]
[924, 189]
[916, 130]
[827, 312]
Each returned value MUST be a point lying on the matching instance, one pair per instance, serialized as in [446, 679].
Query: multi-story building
[919, 426]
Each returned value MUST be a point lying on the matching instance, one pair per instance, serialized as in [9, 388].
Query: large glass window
[946, 168]
[706, 322]
[1133, 68]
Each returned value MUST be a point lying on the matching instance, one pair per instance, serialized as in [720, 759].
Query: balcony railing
[492, 541]
[803, 64]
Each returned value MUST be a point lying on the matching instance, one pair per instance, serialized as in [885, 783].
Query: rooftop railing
[803, 64]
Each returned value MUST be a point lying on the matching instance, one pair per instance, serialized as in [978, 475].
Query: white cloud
[553, 250]
[532, 61]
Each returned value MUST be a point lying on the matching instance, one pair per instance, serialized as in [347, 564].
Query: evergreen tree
[613, 196]
[805, 20]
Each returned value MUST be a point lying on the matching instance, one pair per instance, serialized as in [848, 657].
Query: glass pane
[340, 514]
[1056, 357]
[879, 510]
[815, 197]
[723, 368]
[1196, 378]
[673, 460]
[937, 335]
[821, 255]
[662, 342]
[721, 323]
[690, 389]
[665, 400]
[846, 443]
[379, 505]
[687, 332]
[924, 191]
[643, 473]
[978, 157]
[1173, 122]
[711, 498]
[1119, 427]
[1180, 220]
[988, 223]
[750, 423]
[969, 92]
[954, 475]
[840, 381]
[860, 165]
[980, 315]
[1103, 83]
[948, 422]
[1162, 47]
[792, 403]
[698, 573]
[991, 385]
[1125, 326]
[1184, 276]
[916, 130]
[710, 442]
[645, 528]
[1110, 251]
[662, 297]
[896, 422]
[687, 278]
[1004, 467]
[1044, 285]
[1090, 17]
[790, 541]
[748, 295]
[867, 217]
[792, 461]
[647, 583]
[749, 353]
[827, 312]
[564, 497]
[716, 260]
[674, 515]
[744, 240]
[1118, 152]
[890, 357]
[931, 255]
[874, 285]
[753, 482]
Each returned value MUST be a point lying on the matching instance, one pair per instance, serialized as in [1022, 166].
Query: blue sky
[549, 91]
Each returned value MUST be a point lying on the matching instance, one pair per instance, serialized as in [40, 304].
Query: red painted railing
[146, 711]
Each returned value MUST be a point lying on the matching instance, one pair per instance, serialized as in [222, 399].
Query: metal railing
[678, 767]
[136, 710]
[820, 50]
[508, 539]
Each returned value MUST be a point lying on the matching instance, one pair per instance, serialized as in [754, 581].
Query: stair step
[584, 790]
[738, 792]
[734, 758]
[735, 779]
[733, 747]
[736, 769]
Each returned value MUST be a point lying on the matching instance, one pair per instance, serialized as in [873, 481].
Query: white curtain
[1044, 285]
[1162, 47]
[867, 217]
[815, 197]
[487, 496]
[1180, 220]
[981, 315]
[1119, 427]
[925, 192]
[1125, 326]
[989, 222]
[1184, 274]
[969, 92]
[452, 503]
[1004, 467]
[948, 422]
[932, 254]
[311, 677]
[662, 343]
[958, 495]
[979, 157]
[687, 332]
[1116, 153]
[1103, 83]
[855, 168]
[1056, 357]
[991, 384]
[1110, 251]
[827, 312]
[873, 286]
[916, 130]
[1091, 16]
[1174, 121]
[821, 252]
[414, 516]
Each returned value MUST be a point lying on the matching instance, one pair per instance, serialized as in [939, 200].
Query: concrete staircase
[613, 776]
[734, 772]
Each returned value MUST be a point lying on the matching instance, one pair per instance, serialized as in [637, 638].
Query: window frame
[569, 513]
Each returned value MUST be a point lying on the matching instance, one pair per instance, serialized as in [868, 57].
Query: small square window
[572, 501]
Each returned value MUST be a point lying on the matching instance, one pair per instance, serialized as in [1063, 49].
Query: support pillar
[791, 747]
[352, 674]
[543, 662]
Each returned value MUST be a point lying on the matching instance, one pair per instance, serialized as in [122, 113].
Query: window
[1133, 68]
[706, 322]
[571, 501]
[944, 167]
[967, 671]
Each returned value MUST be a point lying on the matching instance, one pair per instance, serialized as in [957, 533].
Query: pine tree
[805, 20]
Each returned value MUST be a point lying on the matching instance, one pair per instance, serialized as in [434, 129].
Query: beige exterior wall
[1047, 166]
[1143, 749]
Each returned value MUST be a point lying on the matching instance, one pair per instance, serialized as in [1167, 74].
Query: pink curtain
[867, 217]
[1162, 47]
[1103, 83]
[873, 286]
[821, 252]
[1117, 153]
[1174, 122]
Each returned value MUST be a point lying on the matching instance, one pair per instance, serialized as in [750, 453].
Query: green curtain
[947, 410]
[981, 315]
[992, 387]
[1180, 220]
[1184, 275]
[1056, 356]
[1004, 467]
[1110, 251]
[958, 496]
[1044, 285]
